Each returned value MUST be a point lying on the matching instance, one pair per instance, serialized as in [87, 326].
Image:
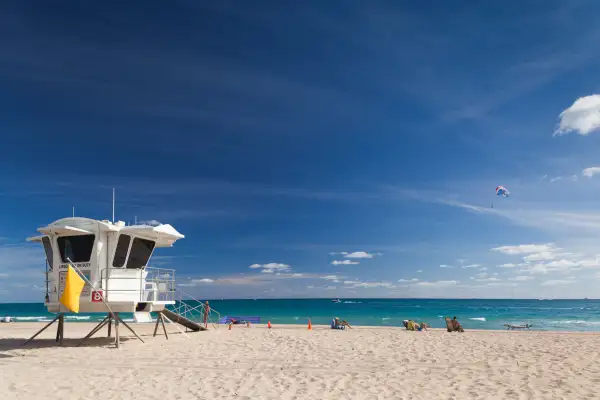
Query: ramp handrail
[183, 308]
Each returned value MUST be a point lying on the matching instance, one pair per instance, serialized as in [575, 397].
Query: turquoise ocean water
[572, 315]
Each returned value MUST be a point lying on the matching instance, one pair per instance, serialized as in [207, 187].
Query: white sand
[294, 363]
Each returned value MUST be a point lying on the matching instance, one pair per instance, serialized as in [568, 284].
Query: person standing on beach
[206, 312]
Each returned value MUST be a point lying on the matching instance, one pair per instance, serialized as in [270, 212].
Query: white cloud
[344, 262]
[558, 282]
[446, 266]
[589, 263]
[500, 284]
[521, 278]
[541, 256]
[271, 267]
[471, 266]
[525, 248]
[437, 283]
[408, 280]
[563, 263]
[358, 284]
[591, 171]
[203, 280]
[489, 279]
[151, 222]
[583, 117]
[334, 278]
[555, 179]
[511, 265]
[419, 271]
[342, 253]
[358, 254]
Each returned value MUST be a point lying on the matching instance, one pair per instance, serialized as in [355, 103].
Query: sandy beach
[291, 362]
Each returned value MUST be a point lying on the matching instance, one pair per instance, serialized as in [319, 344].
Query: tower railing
[150, 284]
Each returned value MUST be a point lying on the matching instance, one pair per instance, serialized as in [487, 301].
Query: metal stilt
[93, 331]
[43, 329]
[162, 321]
[128, 327]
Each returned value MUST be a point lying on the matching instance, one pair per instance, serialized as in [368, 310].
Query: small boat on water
[336, 300]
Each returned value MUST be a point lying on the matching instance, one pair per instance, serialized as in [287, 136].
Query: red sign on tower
[97, 296]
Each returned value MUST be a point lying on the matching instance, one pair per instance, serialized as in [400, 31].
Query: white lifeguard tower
[114, 258]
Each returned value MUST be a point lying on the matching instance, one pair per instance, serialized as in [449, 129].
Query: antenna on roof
[113, 204]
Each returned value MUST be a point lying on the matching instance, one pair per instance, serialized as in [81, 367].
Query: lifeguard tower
[114, 258]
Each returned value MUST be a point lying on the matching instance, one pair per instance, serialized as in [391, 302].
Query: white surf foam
[482, 319]
[29, 318]
[78, 317]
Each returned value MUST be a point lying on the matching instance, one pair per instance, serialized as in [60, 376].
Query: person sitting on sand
[422, 327]
[456, 325]
[336, 324]
[346, 324]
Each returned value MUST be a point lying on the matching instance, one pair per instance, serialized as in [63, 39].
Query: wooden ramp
[188, 323]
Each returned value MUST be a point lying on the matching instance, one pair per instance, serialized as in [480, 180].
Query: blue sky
[273, 135]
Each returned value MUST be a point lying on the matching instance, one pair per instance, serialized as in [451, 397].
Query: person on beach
[456, 325]
[206, 312]
[345, 323]
[336, 324]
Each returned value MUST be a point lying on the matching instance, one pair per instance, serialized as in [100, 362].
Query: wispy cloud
[446, 266]
[203, 280]
[359, 284]
[582, 117]
[344, 262]
[151, 222]
[471, 266]
[524, 248]
[437, 283]
[271, 267]
[333, 278]
[558, 282]
[521, 278]
[511, 265]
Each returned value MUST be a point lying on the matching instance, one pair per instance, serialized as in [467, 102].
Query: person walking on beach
[206, 312]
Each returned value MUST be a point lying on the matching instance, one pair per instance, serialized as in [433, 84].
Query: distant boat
[336, 300]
